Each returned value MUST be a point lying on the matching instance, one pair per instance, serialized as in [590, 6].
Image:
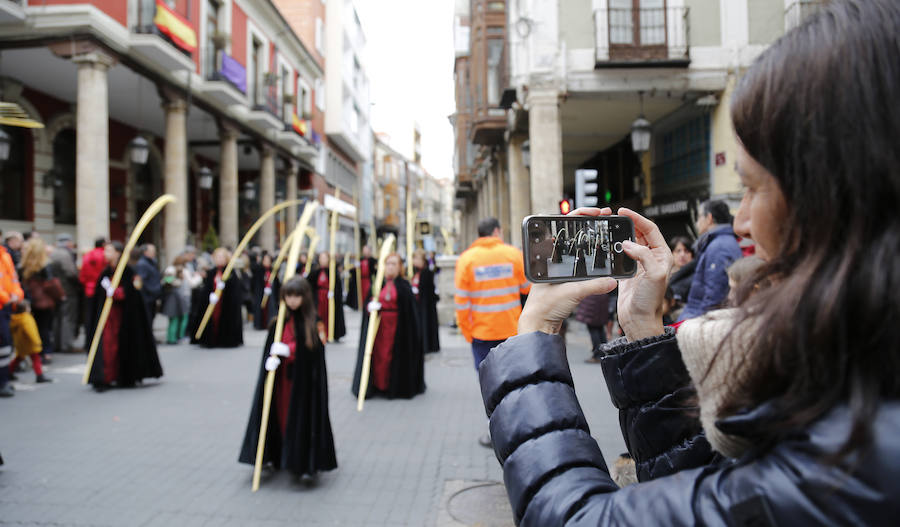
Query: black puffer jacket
[555, 474]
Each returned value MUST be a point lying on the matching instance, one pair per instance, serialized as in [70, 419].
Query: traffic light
[565, 206]
[586, 187]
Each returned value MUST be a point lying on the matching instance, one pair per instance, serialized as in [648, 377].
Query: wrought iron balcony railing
[642, 37]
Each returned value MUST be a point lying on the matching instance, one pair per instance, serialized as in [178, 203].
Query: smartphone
[571, 248]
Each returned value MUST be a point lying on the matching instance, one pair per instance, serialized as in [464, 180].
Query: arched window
[63, 177]
[13, 177]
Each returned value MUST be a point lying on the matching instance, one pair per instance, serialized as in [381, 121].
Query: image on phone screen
[562, 248]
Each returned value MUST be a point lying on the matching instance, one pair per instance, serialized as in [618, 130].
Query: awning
[175, 27]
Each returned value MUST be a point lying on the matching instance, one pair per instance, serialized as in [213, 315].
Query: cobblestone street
[166, 453]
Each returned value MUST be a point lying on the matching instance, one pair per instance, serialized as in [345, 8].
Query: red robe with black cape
[298, 436]
[426, 303]
[318, 280]
[225, 328]
[126, 353]
[407, 367]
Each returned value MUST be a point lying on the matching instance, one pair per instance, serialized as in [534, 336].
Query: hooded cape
[136, 357]
[427, 310]
[408, 359]
[307, 445]
[229, 331]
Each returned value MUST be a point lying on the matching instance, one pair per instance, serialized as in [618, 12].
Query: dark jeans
[598, 337]
[5, 345]
[44, 320]
[481, 348]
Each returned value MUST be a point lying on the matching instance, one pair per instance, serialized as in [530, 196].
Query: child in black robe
[298, 436]
[398, 361]
[126, 353]
[225, 328]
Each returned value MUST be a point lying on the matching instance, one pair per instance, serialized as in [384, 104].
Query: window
[304, 103]
[285, 88]
[254, 72]
[320, 95]
[320, 37]
[63, 177]
[214, 42]
[12, 175]
[494, 58]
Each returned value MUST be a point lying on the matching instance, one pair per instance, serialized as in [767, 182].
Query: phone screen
[568, 248]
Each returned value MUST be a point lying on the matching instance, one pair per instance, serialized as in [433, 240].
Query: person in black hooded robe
[299, 436]
[261, 280]
[426, 302]
[367, 269]
[398, 362]
[126, 353]
[319, 281]
[225, 328]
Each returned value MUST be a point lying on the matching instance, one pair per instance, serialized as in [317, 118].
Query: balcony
[264, 108]
[641, 37]
[163, 36]
[799, 11]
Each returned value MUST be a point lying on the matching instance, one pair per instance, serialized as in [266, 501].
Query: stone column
[509, 225]
[228, 186]
[92, 150]
[491, 191]
[545, 131]
[267, 196]
[291, 193]
[519, 189]
[175, 215]
[175, 222]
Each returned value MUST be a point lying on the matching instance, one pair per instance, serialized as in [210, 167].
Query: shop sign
[665, 209]
[175, 27]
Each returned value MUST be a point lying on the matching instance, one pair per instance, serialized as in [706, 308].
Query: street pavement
[166, 453]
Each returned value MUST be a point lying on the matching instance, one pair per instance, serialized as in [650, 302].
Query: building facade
[562, 84]
[210, 101]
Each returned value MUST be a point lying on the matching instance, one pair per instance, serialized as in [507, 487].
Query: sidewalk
[166, 453]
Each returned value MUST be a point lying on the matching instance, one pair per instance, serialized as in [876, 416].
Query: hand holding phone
[548, 303]
[569, 248]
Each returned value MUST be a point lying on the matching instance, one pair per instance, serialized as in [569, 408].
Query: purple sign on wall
[233, 72]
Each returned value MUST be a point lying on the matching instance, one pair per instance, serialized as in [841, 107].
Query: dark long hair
[306, 314]
[819, 110]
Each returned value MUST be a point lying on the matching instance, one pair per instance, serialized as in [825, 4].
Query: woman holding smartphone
[783, 410]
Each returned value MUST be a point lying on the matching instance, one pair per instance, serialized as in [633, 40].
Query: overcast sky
[409, 60]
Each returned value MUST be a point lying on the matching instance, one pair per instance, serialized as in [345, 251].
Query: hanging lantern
[640, 135]
[206, 178]
[249, 191]
[140, 150]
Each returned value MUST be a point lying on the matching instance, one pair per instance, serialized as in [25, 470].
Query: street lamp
[140, 150]
[206, 178]
[4, 145]
[249, 191]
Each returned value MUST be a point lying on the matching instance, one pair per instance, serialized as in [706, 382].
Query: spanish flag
[300, 126]
[175, 27]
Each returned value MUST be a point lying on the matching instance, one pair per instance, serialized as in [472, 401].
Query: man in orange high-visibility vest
[490, 276]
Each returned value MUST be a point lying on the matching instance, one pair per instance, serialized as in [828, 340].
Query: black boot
[42, 378]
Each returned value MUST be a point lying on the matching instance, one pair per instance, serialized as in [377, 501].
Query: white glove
[106, 284]
[374, 306]
[220, 285]
[272, 363]
[267, 291]
[331, 294]
[280, 348]
[213, 298]
[415, 290]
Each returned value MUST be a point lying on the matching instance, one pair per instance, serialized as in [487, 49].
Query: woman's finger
[645, 227]
[591, 211]
[643, 255]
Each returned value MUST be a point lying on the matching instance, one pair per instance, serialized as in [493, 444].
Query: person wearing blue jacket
[151, 279]
[716, 249]
[784, 409]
